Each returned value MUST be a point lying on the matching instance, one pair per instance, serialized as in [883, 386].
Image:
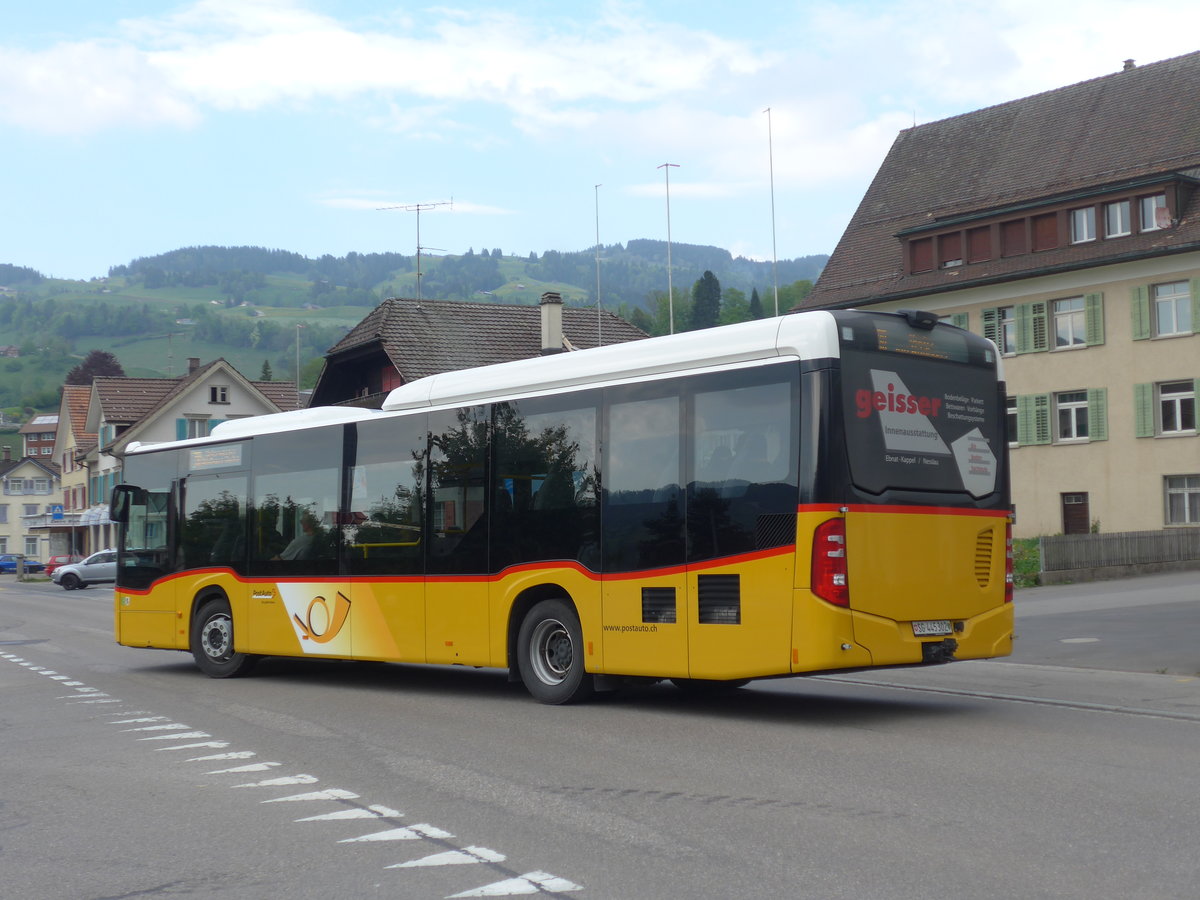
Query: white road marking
[139, 720]
[236, 754]
[1080, 641]
[173, 726]
[529, 883]
[281, 782]
[464, 857]
[411, 833]
[331, 794]
[177, 736]
[209, 745]
[253, 767]
[373, 812]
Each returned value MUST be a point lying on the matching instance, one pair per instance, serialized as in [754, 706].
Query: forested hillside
[262, 308]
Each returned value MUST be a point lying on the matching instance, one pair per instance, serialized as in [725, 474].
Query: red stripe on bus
[902, 510]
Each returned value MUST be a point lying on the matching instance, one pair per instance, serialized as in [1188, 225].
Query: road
[126, 773]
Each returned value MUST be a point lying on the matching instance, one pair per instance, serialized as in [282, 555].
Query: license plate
[931, 627]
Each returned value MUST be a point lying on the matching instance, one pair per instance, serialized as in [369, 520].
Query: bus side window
[457, 459]
[745, 457]
[642, 474]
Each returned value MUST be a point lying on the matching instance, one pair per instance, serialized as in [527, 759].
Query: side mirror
[123, 497]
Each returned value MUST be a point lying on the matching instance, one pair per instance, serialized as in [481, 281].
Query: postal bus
[822, 491]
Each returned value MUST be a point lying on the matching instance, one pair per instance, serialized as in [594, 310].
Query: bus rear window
[919, 421]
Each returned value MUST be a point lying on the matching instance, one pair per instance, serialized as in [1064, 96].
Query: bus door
[644, 586]
[741, 521]
[213, 538]
[457, 585]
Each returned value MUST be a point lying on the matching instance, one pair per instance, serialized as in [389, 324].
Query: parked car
[55, 561]
[96, 569]
[8, 563]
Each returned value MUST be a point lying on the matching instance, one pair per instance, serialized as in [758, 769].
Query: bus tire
[212, 641]
[550, 654]
[707, 687]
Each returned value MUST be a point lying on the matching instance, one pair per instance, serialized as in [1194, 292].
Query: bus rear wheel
[212, 642]
[550, 654]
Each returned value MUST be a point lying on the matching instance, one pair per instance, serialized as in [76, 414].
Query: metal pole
[599, 320]
[666, 167]
[774, 258]
[298, 327]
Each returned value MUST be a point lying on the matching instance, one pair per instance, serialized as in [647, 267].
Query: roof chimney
[7, 453]
[552, 333]
[1128, 65]
[193, 364]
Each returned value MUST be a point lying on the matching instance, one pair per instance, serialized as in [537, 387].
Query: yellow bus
[817, 492]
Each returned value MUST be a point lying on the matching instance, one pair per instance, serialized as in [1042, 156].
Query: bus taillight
[1008, 563]
[829, 562]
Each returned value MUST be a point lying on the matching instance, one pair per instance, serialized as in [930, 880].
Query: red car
[55, 561]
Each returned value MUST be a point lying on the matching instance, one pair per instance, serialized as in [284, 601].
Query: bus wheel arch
[548, 647]
[211, 637]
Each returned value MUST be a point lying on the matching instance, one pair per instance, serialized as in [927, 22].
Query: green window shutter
[1093, 305]
[1139, 308]
[991, 326]
[1143, 410]
[960, 320]
[1097, 414]
[1033, 419]
[1033, 327]
[1195, 305]
[212, 423]
[180, 429]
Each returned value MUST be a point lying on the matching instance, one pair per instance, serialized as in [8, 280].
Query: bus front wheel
[212, 642]
[550, 654]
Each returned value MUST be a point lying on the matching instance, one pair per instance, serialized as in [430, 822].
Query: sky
[130, 128]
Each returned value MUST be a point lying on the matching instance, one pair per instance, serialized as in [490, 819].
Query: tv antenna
[417, 208]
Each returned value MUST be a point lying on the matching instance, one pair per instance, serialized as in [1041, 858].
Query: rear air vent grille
[983, 557]
[720, 599]
[658, 604]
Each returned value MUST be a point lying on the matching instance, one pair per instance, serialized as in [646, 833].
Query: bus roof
[810, 335]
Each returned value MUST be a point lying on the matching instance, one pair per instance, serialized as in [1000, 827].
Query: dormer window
[1083, 225]
[1116, 219]
[1153, 212]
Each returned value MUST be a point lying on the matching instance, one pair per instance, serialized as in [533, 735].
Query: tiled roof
[40, 423]
[129, 400]
[425, 337]
[1136, 123]
[77, 397]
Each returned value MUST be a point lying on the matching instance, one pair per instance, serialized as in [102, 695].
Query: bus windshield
[921, 408]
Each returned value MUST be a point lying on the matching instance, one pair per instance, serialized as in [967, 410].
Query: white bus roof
[811, 335]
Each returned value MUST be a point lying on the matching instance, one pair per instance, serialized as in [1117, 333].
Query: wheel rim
[216, 637]
[551, 651]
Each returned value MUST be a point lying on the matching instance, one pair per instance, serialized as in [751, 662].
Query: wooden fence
[1130, 548]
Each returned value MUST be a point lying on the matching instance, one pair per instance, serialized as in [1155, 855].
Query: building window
[3, 513]
[1072, 408]
[1177, 407]
[1183, 499]
[47, 451]
[3, 544]
[1045, 231]
[1070, 323]
[41, 485]
[218, 393]
[1116, 219]
[16, 486]
[1007, 330]
[1083, 225]
[920, 255]
[1172, 308]
[29, 509]
[950, 250]
[979, 244]
[31, 547]
[1012, 238]
[1012, 422]
[197, 428]
[1153, 212]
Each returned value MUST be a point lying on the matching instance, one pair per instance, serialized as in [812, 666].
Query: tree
[96, 363]
[706, 301]
[756, 310]
[265, 374]
[734, 307]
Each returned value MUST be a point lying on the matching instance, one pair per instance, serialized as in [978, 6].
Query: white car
[98, 568]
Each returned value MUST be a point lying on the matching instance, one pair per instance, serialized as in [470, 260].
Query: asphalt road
[125, 773]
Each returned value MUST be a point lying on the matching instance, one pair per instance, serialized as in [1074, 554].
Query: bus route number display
[914, 343]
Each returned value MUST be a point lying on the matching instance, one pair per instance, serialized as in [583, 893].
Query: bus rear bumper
[984, 636]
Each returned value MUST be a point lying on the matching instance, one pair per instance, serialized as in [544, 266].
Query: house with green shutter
[1065, 227]
[121, 410]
